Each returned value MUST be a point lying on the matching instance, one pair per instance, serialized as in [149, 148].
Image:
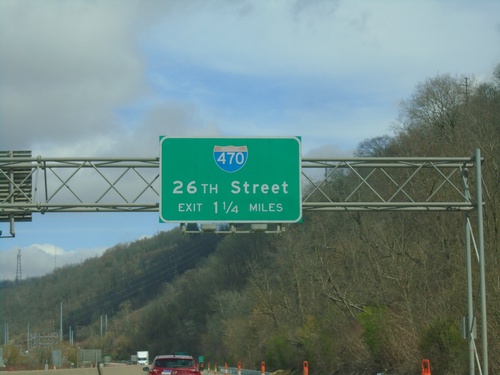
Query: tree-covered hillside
[350, 292]
[121, 281]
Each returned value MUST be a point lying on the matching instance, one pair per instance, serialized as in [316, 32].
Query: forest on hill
[350, 292]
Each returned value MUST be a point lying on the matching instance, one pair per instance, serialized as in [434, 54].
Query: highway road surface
[112, 370]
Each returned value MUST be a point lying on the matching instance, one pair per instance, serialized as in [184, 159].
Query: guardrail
[236, 370]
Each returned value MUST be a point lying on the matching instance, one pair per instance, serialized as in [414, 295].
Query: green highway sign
[231, 180]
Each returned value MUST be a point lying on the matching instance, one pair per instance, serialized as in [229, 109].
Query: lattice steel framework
[40, 185]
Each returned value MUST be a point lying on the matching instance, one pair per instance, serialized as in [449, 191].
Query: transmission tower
[19, 274]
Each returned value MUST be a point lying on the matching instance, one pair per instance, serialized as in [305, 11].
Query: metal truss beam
[132, 185]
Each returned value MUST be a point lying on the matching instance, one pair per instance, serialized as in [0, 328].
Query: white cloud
[69, 68]
[65, 66]
[329, 39]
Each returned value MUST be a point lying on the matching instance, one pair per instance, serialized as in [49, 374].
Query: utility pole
[60, 325]
[19, 274]
[466, 90]
[6, 333]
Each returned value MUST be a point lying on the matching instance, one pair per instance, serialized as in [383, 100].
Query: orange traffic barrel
[426, 367]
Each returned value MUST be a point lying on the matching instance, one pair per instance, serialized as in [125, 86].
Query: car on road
[173, 364]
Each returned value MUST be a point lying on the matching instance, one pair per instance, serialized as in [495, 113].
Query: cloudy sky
[106, 78]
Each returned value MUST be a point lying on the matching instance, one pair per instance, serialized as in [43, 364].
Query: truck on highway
[143, 357]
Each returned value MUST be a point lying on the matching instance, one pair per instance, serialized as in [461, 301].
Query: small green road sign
[230, 180]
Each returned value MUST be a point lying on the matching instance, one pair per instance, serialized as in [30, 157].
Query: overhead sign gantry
[40, 184]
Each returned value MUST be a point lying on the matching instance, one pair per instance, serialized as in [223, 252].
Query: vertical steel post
[468, 261]
[479, 202]
[471, 318]
[11, 193]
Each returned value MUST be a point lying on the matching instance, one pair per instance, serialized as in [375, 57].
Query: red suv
[173, 364]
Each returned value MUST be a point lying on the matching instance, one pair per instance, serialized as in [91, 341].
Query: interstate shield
[230, 158]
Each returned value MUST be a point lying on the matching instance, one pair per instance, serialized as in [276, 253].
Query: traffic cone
[426, 367]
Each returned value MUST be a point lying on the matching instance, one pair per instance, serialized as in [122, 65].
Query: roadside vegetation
[350, 292]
